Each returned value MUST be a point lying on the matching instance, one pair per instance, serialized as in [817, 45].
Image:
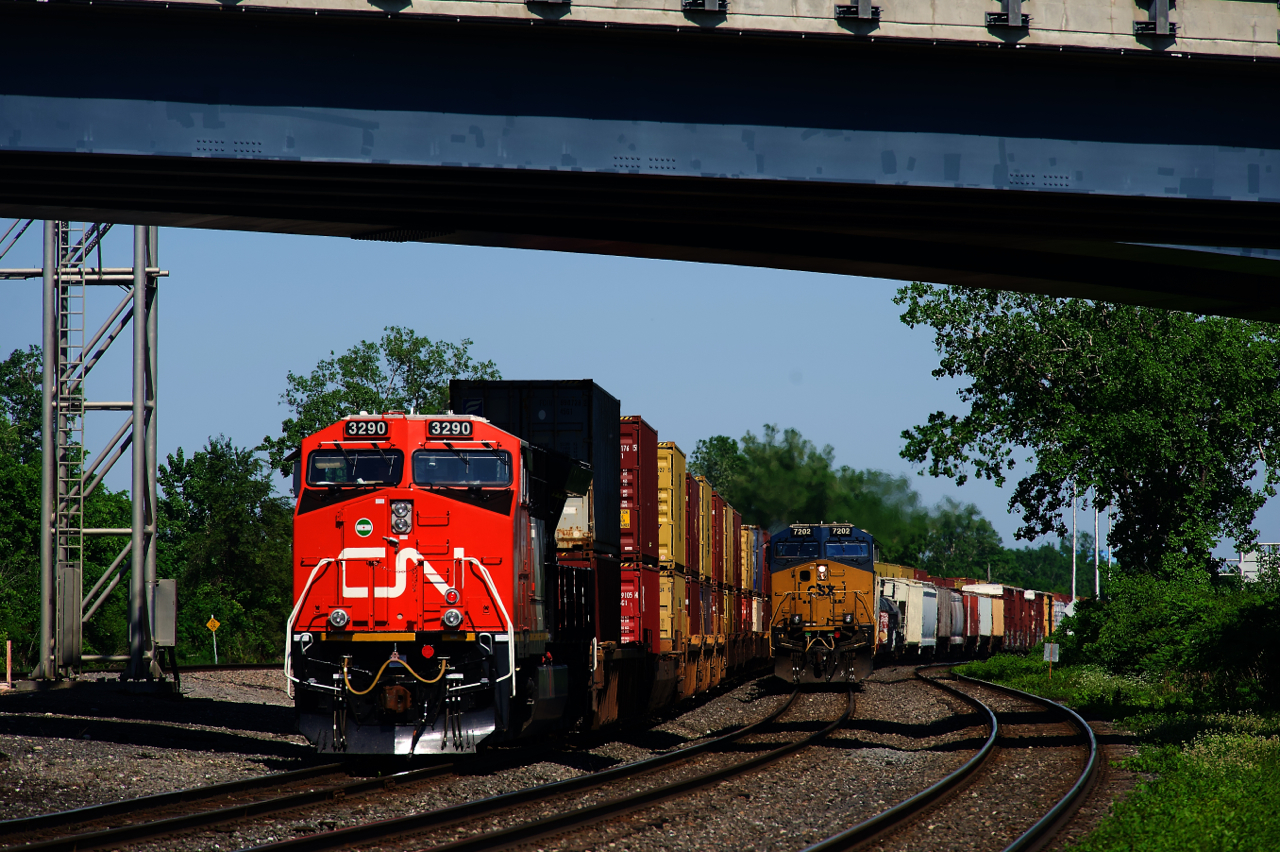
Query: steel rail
[89, 813]
[1062, 811]
[894, 817]
[527, 832]
[467, 811]
[113, 837]
[1034, 837]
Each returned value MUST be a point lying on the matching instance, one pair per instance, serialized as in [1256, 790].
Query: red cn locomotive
[424, 554]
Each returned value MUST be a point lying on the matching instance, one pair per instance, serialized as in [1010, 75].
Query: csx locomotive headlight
[797, 618]
[451, 596]
[451, 618]
[339, 618]
[400, 511]
[848, 618]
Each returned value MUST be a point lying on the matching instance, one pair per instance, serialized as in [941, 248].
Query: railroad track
[165, 815]
[888, 826]
[566, 817]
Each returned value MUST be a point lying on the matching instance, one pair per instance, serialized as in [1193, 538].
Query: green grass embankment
[1213, 778]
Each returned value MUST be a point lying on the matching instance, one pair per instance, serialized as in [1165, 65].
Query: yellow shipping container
[707, 526]
[671, 505]
[747, 564]
[673, 628]
[726, 613]
[888, 569]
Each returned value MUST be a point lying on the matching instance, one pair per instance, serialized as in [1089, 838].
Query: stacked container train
[527, 562]
[835, 609]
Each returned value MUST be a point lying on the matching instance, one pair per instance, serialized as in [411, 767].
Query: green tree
[718, 459]
[227, 540]
[781, 477]
[962, 543]
[20, 378]
[1168, 415]
[401, 372]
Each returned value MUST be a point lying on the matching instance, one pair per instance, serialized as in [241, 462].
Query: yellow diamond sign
[213, 624]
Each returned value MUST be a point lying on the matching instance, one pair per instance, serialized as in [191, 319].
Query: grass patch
[1214, 777]
[1086, 688]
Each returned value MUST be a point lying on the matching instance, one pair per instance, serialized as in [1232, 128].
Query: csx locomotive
[825, 603]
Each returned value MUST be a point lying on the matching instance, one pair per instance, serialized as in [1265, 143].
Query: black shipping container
[576, 417]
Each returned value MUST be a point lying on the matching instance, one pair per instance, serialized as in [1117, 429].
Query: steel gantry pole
[49, 340]
[139, 620]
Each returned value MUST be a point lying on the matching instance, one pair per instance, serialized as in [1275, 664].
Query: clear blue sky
[698, 350]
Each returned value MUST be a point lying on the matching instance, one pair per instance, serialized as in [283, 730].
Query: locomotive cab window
[805, 576]
[795, 549]
[353, 468]
[462, 468]
[846, 549]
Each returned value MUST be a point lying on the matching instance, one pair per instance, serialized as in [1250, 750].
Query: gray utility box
[164, 612]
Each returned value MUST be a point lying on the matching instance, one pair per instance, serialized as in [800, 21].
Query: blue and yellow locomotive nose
[824, 606]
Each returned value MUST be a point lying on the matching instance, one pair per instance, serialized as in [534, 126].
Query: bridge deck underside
[1060, 173]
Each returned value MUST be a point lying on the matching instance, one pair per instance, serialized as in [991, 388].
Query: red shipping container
[744, 621]
[970, 616]
[641, 606]
[693, 605]
[692, 526]
[717, 539]
[638, 490]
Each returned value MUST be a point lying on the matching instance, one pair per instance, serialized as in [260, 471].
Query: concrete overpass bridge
[1088, 147]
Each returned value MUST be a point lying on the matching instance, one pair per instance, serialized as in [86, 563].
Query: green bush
[1218, 792]
[1212, 641]
[1089, 689]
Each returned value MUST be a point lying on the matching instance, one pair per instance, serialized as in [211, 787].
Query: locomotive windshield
[846, 549]
[795, 549]
[351, 468]
[462, 468]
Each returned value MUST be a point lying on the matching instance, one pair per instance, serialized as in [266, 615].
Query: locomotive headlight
[451, 618]
[401, 525]
[797, 618]
[848, 618]
[451, 596]
[339, 618]
[401, 508]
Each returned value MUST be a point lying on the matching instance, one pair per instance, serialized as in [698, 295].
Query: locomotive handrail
[511, 633]
[293, 617]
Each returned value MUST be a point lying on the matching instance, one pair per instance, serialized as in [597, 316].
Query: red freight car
[638, 522]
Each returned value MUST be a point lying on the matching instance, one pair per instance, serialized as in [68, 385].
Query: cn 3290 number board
[449, 428]
[366, 428]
